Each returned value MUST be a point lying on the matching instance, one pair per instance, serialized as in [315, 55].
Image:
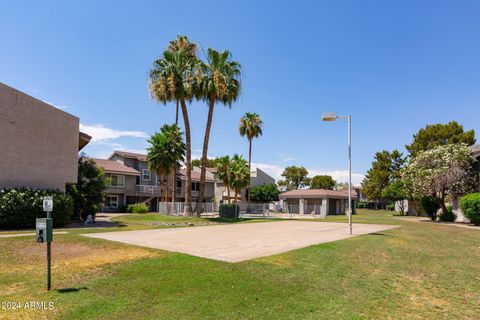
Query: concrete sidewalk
[242, 241]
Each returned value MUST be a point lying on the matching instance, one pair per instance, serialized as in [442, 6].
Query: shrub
[391, 207]
[229, 210]
[450, 216]
[265, 193]
[20, 207]
[138, 208]
[470, 205]
[429, 206]
[362, 205]
[88, 194]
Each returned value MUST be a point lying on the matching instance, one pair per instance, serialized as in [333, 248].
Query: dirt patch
[71, 262]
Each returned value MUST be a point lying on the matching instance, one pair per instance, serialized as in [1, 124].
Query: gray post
[350, 173]
[49, 259]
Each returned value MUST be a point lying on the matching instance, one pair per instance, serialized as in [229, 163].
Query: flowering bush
[20, 207]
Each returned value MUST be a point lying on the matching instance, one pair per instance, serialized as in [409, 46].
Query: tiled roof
[132, 155]
[316, 193]
[111, 166]
[196, 175]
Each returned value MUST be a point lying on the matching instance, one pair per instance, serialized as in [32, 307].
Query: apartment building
[131, 181]
[39, 143]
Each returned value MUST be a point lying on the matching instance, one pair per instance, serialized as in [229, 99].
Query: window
[146, 175]
[179, 183]
[111, 202]
[117, 181]
[195, 186]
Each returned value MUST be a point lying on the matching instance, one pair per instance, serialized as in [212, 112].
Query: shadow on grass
[228, 220]
[69, 290]
[380, 234]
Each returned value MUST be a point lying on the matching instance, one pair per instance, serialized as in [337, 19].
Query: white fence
[246, 210]
[208, 209]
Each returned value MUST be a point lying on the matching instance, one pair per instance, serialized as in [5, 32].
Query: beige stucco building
[317, 201]
[39, 143]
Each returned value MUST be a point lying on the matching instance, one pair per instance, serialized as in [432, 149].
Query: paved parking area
[242, 241]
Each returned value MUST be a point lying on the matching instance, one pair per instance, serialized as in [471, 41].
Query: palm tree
[223, 172]
[239, 174]
[176, 152]
[220, 82]
[173, 78]
[251, 127]
[165, 152]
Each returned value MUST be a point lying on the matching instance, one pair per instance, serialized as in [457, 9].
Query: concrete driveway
[242, 241]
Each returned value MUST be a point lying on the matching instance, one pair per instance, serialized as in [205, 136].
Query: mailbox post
[44, 228]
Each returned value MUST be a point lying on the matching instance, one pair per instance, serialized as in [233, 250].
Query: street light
[331, 116]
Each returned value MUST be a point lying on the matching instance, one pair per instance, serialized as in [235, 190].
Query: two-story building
[258, 177]
[39, 143]
[131, 181]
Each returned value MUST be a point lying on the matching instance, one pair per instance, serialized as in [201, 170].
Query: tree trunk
[174, 178]
[161, 186]
[176, 115]
[249, 170]
[228, 194]
[188, 161]
[167, 187]
[203, 168]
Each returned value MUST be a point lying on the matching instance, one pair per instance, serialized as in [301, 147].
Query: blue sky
[395, 66]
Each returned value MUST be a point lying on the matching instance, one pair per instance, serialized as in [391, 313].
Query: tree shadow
[73, 289]
[380, 234]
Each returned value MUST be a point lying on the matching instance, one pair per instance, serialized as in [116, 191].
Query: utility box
[44, 228]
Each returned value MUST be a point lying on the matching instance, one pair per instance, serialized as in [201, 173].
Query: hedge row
[20, 207]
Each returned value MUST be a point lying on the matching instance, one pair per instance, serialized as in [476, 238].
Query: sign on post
[44, 228]
[48, 204]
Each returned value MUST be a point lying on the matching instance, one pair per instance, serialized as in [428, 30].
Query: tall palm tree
[166, 150]
[223, 172]
[173, 78]
[239, 174]
[220, 82]
[251, 127]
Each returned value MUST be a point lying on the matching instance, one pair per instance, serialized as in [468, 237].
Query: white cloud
[276, 170]
[102, 134]
[56, 106]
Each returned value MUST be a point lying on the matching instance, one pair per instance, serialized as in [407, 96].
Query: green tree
[211, 163]
[165, 152]
[395, 192]
[223, 165]
[89, 192]
[341, 186]
[176, 77]
[265, 193]
[239, 174]
[440, 172]
[220, 82]
[323, 182]
[250, 127]
[439, 134]
[385, 170]
[296, 177]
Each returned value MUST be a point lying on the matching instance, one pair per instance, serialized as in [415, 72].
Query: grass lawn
[421, 270]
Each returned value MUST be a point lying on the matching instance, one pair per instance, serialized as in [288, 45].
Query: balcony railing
[146, 189]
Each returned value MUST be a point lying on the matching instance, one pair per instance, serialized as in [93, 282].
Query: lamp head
[329, 116]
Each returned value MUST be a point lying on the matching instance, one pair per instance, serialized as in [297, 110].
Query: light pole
[331, 116]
